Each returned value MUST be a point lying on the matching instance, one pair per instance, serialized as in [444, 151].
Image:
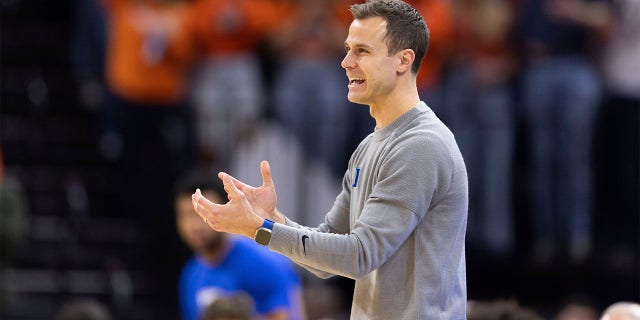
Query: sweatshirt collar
[384, 132]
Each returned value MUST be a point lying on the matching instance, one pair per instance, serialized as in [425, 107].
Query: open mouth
[353, 82]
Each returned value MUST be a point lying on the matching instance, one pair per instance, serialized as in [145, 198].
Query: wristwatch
[263, 234]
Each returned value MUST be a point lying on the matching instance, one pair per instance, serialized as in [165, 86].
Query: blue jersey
[269, 278]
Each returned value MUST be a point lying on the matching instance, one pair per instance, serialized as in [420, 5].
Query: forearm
[331, 254]
[349, 253]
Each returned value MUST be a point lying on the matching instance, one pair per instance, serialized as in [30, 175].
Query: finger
[265, 170]
[239, 184]
[199, 197]
[196, 204]
[230, 186]
[201, 203]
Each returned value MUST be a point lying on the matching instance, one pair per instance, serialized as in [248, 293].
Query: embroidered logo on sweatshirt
[304, 245]
[355, 180]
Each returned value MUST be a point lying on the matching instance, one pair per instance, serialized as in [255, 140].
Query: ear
[406, 56]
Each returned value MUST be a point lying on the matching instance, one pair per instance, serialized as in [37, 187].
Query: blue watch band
[268, 224]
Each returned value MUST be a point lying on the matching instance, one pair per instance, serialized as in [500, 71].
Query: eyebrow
[358, 45]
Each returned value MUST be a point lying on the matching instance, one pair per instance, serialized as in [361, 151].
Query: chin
[355, 99]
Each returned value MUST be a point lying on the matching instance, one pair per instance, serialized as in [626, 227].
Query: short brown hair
[406, 28]
[239, 306]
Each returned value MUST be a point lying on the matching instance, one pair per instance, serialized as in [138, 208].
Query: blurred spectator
[223, 265]
[228, 89]
[622, 311]
[149, 40]
[309, 85]
[577, 309]
[618, 145]
[83, 309]
[235, 307]
[561, 92]
[308, 162]
[478, 107]
[149, 51]
[500, 310]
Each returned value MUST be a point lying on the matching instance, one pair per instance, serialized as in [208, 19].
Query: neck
[394, 106]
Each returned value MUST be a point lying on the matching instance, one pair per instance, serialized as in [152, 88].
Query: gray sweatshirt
[398, 226]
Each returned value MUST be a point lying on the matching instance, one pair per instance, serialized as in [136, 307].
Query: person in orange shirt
[149, 52]
[147, 40]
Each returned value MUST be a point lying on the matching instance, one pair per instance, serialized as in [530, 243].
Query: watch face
[263, 236]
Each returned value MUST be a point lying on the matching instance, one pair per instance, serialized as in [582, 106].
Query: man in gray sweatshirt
[398, 225]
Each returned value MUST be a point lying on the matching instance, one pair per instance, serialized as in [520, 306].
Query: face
[196, 234]
[371, 71]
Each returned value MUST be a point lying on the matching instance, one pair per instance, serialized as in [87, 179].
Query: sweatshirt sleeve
[407, 180]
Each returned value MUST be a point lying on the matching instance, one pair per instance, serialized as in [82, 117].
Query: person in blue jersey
[224, 265]
[398, 225]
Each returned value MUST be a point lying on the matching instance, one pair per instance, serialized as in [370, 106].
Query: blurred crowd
[542, 96]
[239, 307]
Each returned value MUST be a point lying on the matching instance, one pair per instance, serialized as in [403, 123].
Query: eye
[362, 50]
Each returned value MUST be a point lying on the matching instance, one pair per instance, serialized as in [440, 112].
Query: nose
[347, 62]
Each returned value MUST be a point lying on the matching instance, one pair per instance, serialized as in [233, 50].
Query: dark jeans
[561, 97]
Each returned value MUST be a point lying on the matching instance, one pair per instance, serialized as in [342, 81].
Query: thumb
[265, 170]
